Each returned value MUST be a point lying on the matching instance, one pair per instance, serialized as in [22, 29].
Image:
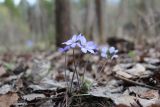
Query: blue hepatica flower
[72, 42]
[86, 46]
[82, 39]
[65, 49]
[111, 51]
[104, 52]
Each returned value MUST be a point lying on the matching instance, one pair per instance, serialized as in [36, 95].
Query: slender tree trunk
[100, 18]
[89, 19]
[63, 25]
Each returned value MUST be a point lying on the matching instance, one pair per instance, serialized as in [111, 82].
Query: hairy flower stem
[67, 89]
[85, 69]
[75, 68]
[75, 72]
[72, 81]
[66, 70]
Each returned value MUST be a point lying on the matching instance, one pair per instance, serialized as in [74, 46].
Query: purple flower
[72, 42]
[82, 39]
[104, 52]
[79, 37]
[65, 49]
[87, 46]
[112, 52]
[29, 43]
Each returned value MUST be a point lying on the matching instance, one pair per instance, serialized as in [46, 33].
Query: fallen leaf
[31, 97]
[153, 61]
[5, 89]
[8, 99]
[40, 69]
[121, 105]
[131, 71]
[124, 74]
[2, 71]
[150, 94]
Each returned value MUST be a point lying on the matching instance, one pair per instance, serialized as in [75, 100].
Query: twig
[39, 100]
[136, 83]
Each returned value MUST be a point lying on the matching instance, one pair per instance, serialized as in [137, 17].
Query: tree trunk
[89, 19]
[63, 25]
[100, 18]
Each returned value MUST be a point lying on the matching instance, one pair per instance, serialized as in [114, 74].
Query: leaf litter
[38, 79]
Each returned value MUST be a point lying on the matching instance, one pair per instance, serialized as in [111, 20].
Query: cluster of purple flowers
[88, 46]
[109, 52]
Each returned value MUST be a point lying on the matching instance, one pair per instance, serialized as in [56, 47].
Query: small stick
[136, 83]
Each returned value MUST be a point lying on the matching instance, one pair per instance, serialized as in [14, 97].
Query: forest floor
[37, 78]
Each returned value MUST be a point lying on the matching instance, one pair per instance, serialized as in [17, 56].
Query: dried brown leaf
[8, 99]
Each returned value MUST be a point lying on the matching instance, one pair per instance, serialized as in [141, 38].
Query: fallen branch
[136, 83]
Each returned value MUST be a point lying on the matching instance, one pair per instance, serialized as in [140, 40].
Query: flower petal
[61, 50]
[79, 45]
[104, 50]
[91, 51]
[116, 51]
[84, 50]
[79, 37]
[69, 42]
[91, 45]
[74, 38]
[112, 50]
[73, 45]
[83, 40]
[103, 55]
[65, 49]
